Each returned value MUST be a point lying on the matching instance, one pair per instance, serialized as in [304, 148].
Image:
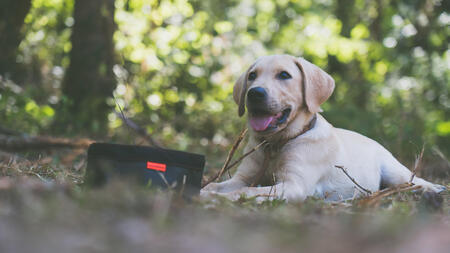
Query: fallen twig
[273, 183]
[353, 180]
[17, 143]
[442, 156]
[234, 163]
[138, 129]
[374, 198]
[231, 153]
[377, 196]
[416, 164]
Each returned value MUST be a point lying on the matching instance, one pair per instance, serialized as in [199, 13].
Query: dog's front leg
[247, 170]
[294, 185]
[223, 187]
[288, 191]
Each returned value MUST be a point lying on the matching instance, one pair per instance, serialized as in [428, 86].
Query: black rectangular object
[162, 167]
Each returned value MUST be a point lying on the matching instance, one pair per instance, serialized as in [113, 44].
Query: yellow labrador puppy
[283, 95]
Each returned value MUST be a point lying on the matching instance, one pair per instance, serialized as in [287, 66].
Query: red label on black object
[156, 166]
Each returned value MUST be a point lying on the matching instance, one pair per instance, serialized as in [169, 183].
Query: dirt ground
[44, 208]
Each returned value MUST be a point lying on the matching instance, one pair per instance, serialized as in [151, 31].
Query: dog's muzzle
[261, 117]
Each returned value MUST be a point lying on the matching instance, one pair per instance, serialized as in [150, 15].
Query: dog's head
[277, 88]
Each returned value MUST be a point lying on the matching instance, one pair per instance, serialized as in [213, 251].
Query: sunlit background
[175, 64]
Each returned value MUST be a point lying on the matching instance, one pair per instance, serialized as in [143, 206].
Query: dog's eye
[283, 75]
[252, 76]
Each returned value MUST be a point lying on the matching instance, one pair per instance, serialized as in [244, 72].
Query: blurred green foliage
[178, 59]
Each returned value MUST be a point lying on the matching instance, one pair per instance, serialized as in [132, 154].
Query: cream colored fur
[305, 165]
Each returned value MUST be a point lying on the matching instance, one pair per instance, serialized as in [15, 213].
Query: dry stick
[17, 143]
[273, 183]
[442, 156]
[246, 154]
[231, 153]
[353, 180]
[141, 131]
[417, 163]
[376, 196]
[234, 163]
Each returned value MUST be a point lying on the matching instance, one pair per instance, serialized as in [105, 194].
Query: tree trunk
[89, 79]
[345, 12]
[12, 16]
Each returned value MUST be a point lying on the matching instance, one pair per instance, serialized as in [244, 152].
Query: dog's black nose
[257, 94]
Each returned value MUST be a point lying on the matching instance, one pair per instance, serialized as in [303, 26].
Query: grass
[44, 208]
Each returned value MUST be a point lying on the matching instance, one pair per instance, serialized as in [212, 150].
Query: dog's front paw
[212, 187]
[213, 195]
[210, 191]
[207, 194]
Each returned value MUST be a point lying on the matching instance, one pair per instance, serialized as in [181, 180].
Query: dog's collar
[306, 128]
[277, 146]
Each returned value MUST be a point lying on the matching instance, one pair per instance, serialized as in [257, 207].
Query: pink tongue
[260, 123]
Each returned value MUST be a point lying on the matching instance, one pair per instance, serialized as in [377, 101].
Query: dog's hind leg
[394, 173]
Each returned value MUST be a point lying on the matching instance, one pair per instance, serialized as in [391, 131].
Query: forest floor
[44, 208]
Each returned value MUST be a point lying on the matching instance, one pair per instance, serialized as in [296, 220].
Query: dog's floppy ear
[239, 91]
[317, 85]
